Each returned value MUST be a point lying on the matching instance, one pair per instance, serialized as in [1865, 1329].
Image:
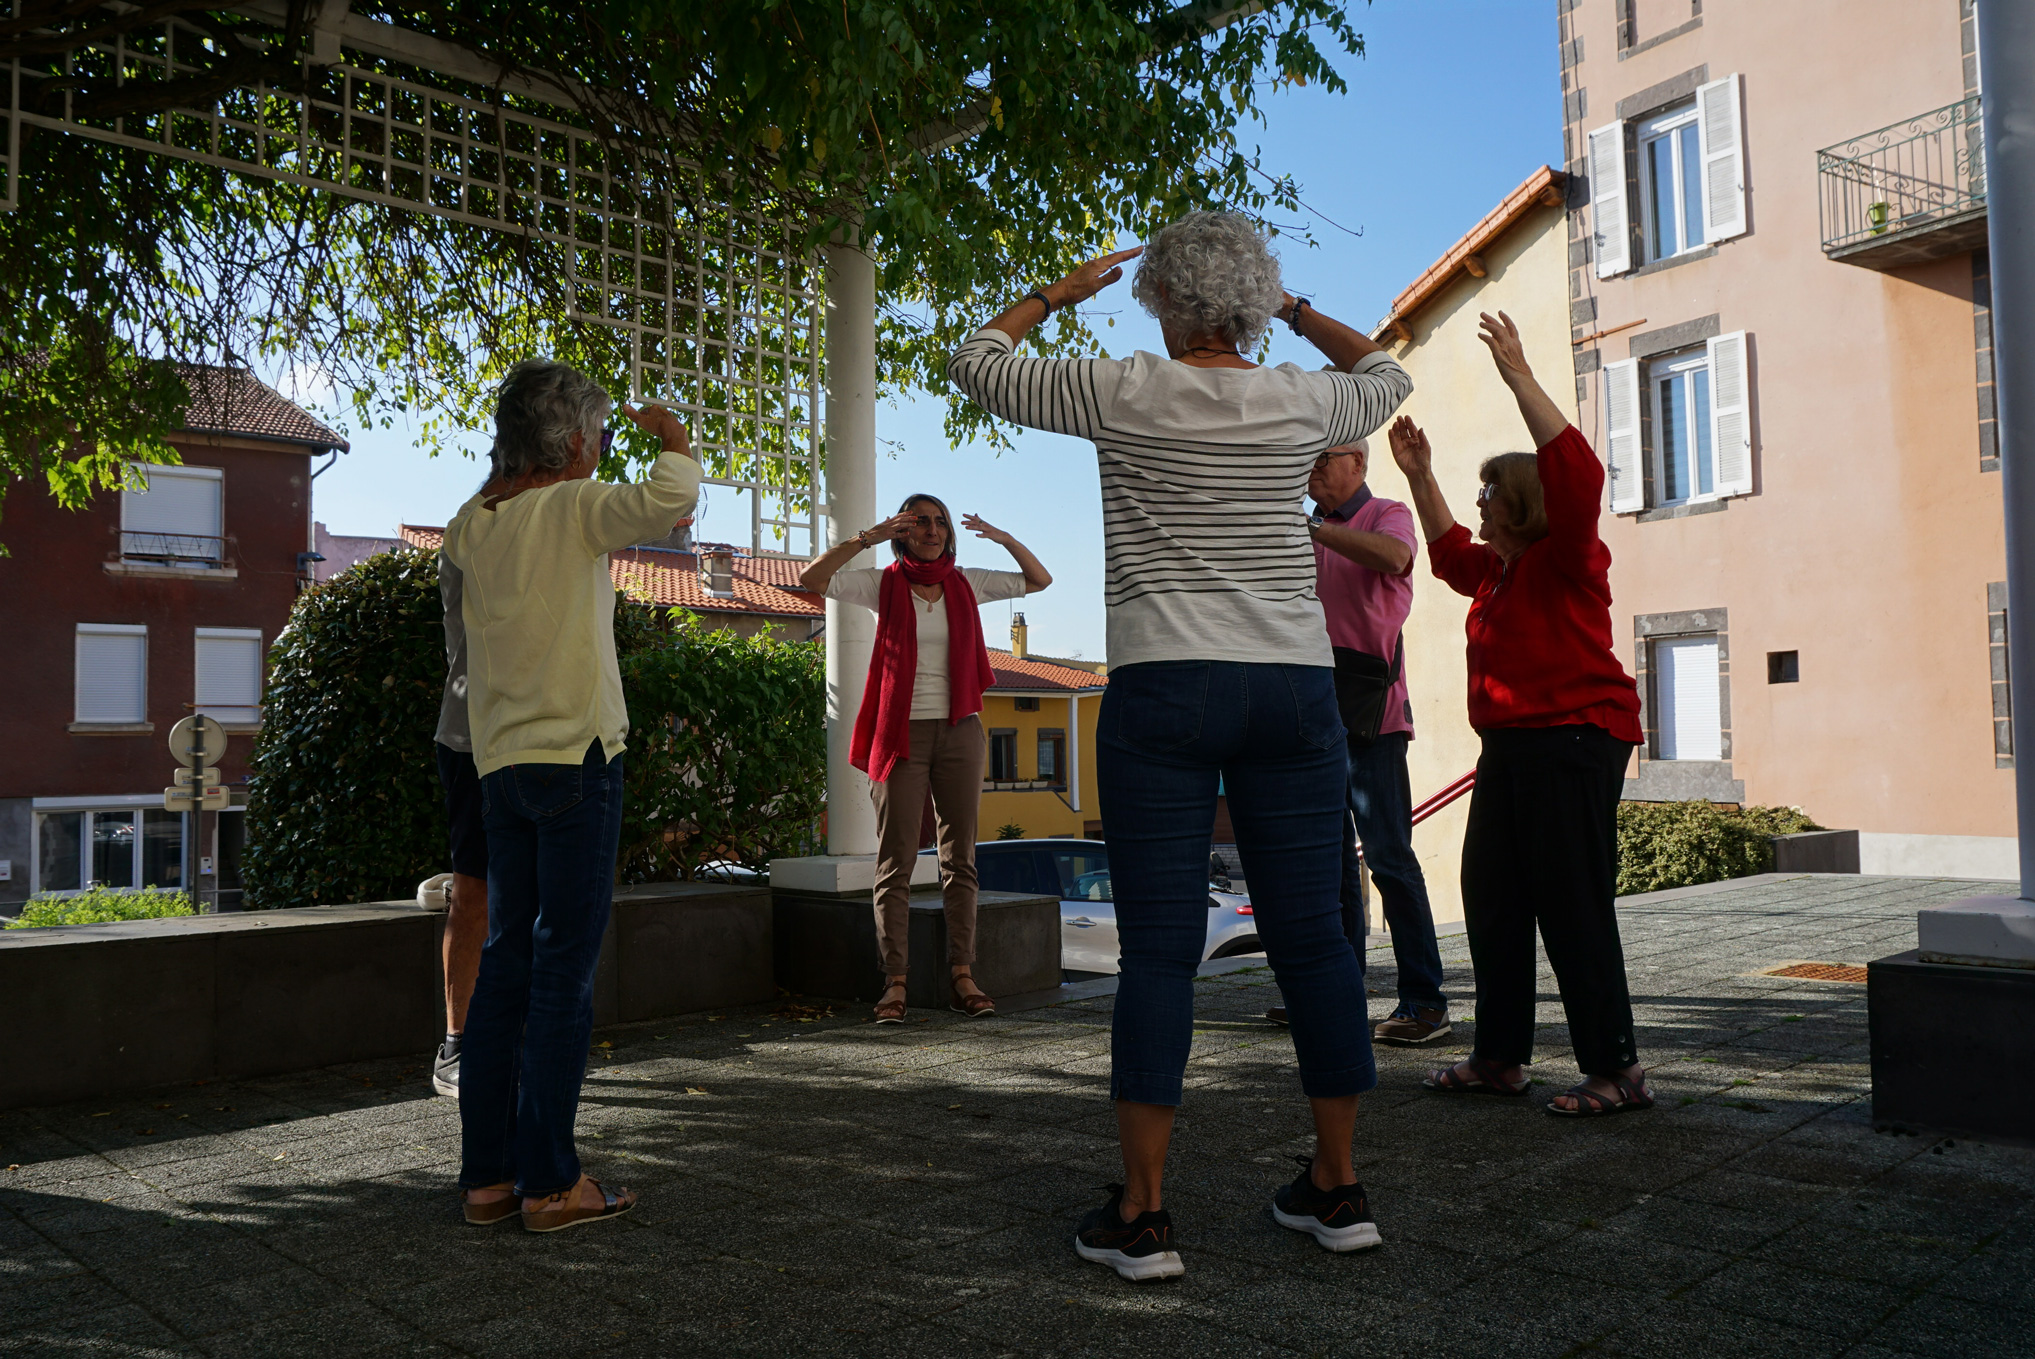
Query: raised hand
[1501, 337]
[897, 526]
[1410, 449]
[1091, 278]
[662, 421]
[982, 528]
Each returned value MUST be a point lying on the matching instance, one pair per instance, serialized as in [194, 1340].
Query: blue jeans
[1381, 797]
[553, 830]
[1167, 732]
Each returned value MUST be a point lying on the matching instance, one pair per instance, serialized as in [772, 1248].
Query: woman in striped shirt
[1220, 671]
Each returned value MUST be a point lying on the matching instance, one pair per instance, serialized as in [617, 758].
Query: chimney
[717, 571]
[1017, 635]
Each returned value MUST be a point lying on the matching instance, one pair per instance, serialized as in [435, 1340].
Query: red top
[1540, 631]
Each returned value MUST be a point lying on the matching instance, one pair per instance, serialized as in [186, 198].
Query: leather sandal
[1486, 1077]
[570, 1214]
[975, 1006]
[497, 1210]
[1632, 1096]
[890, 1011]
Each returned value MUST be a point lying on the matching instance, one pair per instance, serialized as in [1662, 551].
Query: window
[1686, 692]
[175, 518]
[1003, 756]
[1053, 755]
[1027, 705]
[112, 674]
[1784, 667]
[1684, 467]
[1084, 876]
[229, 674]
[1684, 166]
[1678, 427]
[109, 847]
[1671, 183]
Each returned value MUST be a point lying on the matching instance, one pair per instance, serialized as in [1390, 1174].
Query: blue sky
[1454, 103]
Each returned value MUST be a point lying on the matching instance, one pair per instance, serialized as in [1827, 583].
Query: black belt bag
[1363, 683]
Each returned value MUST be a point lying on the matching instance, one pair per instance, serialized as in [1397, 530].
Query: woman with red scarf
[920, 727]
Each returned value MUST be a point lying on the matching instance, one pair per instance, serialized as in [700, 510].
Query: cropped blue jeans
[1168, 732]
[553, 831]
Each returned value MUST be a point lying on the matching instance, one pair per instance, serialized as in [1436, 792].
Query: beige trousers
[947, 760]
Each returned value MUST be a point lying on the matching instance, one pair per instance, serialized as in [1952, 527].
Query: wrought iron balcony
[1906, 193]
[173, 549]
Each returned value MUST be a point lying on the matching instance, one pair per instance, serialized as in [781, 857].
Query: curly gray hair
[540, 405]
[1210, 272]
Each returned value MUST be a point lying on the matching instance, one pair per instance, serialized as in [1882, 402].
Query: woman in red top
[1559, 718]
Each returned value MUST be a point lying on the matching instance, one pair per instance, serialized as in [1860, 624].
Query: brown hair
[897, 547]
[1520, 508]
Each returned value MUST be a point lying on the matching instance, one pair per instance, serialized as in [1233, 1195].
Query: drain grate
[1836, 972]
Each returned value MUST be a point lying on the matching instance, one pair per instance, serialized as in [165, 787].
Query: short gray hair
[1210, 272]
[540, 405]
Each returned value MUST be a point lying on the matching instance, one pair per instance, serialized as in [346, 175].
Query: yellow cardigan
[539, 606]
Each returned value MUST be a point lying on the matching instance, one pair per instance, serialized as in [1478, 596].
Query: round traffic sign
[184, 742]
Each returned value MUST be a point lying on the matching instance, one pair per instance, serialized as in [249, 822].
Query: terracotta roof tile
[1539, 188]
[763, 585]
[1032, 673]
[235, 401]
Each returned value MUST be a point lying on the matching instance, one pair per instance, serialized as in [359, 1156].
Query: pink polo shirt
[1367, 608]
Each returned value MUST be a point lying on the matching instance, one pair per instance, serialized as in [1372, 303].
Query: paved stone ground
[826, 1187]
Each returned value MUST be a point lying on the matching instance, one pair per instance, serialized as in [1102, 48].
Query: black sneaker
[1137, 1250]
[445, 1068]
[1338, 1219]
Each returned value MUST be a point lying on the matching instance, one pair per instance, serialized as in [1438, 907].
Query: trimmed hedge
[99, 905]
[1676, 844]
[726, 759]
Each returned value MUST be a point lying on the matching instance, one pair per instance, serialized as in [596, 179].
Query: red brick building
[124, 617]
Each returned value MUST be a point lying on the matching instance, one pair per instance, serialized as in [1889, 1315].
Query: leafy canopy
[1089, 118]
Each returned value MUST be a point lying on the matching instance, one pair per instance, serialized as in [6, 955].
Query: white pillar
[851, 507]
[1074, 752]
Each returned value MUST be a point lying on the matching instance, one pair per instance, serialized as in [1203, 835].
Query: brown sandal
[975, 1006]
[617, 1202]
[488, 1214]
[890, 1011]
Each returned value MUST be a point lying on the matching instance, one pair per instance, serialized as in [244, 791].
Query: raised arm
[1057, 395]
[1342, 345]
[1416, 459]
[1085, 282]
[820, 572]
[1037, 577]
[613, 517]
[1543, 418]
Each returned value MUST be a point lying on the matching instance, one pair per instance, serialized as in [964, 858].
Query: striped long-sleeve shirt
[1206, 553]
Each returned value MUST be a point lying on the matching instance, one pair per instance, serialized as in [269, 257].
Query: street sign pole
[198, 743]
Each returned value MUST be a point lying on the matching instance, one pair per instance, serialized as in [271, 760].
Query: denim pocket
[1318, 722]
[548, 789]
[1159, 704]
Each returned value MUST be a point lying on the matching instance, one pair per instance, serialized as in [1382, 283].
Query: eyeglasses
[1486, 493]
[1326, 458]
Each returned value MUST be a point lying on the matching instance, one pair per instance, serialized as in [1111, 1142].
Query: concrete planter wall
[826, 945]
[102, 1009]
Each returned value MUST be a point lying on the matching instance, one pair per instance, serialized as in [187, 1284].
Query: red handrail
[1440, 800]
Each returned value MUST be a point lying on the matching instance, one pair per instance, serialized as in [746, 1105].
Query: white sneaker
[445, 1067]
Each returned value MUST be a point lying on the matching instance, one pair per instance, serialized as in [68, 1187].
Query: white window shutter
[229, 674]
[1609, 220]
[1621, 435]
[179, 500]
[1721, 133]
[1689, 692]
[112, 673]
[1731, 414]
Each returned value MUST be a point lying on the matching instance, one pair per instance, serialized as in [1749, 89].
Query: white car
[1077, 871]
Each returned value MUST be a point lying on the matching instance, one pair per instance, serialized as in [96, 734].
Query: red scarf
[883, 727]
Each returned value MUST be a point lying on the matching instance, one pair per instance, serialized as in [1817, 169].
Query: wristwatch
[1314, 523]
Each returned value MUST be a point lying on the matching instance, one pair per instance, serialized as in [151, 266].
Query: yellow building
[1040, 718]
[1515, 261]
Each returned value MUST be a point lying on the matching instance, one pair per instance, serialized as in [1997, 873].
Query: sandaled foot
[890, 1009]
[490, 1204]
[1477, 1076]
[1601, 1095]
[587, 1201]
[969, 999]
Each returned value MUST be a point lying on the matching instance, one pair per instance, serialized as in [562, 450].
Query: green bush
[99, 905]
[1675, 844]
[727, 757]
[343, 801]
[343, 797]
[1010, 830]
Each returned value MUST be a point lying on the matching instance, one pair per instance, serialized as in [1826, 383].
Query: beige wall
[1872, 533]
[1468, 415]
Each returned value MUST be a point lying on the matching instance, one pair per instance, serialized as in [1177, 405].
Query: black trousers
[1542, 849]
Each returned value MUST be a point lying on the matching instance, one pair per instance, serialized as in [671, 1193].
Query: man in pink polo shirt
[1364, 550]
